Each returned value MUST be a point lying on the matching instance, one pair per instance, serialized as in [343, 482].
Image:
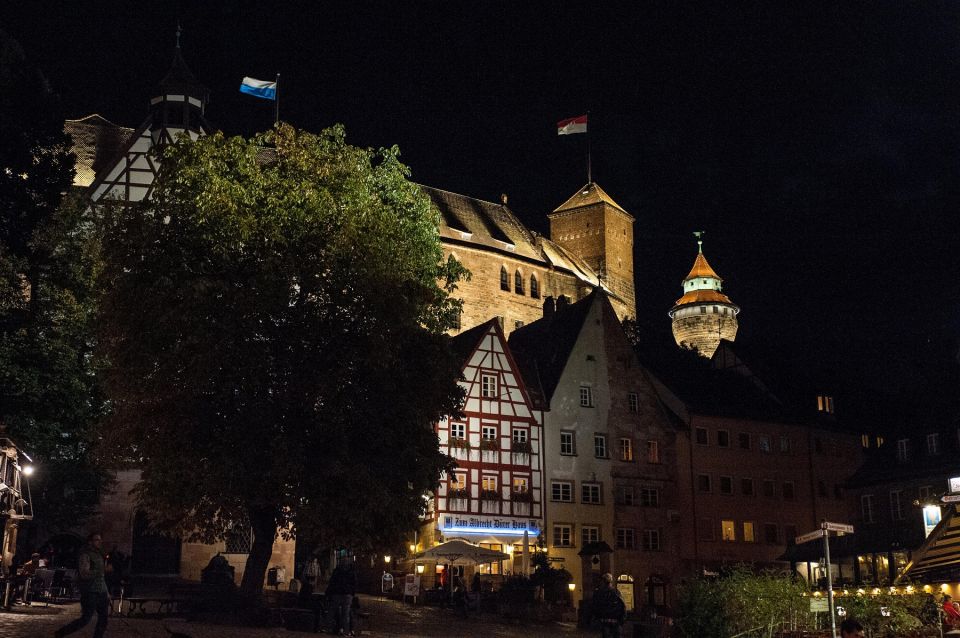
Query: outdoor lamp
[419, 569]
[571, 586]
[386, 559]
[27, 470]
[413, 548]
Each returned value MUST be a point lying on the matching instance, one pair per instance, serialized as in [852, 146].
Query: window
[702, 437]
[238, 540]
[504, 280]
[561, 491]
[458, 481]
[458, 430]
[562, 535]
[726, 485]
[600, 446]
[589, 534]
[746, 486]
[896, 509]
[770, 533]
[744, 439]
[457, 320]
[489, 433]
[626, 495]
[748, 532]
[518, 283]
[788, 491]
[488, 386]
[590, 493]
[521, 485]
[769, 488]
[517, 324]
[520, 435]
[728, 530]
[651, 540]
[626, 449]
[723, 438]
[866, 507]
[568, 445]
[933, 444]
[633, 402]
[653, 452]
[586, 396]
[924, 492]
[626, 538]
[825, 404]
[763, 443]
[705, 529]
[703, 309]
[784, 443]
[488, 483]
[649, 497]
[703, 482]
[491, 568]
[534, 287]
[903, 450]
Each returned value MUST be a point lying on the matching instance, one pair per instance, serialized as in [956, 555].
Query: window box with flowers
[521, 497]
[489, 445]
[460, 444]
[489, 495]
[458, 493]
[521, 447]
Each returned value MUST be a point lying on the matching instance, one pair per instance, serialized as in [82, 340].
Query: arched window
[518, 283]
[534, 287]
[504, 280]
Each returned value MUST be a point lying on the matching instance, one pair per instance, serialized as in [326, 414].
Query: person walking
[93, 589]
[608, 608]
[340, 592]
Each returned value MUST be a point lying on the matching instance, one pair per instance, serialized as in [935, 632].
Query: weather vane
[699, 235]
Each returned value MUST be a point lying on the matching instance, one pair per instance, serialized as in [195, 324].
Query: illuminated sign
[954, 484]
[475, 524]
[931, 518]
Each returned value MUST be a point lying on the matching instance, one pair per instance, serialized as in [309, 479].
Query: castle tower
[595, 228]
[703, 315]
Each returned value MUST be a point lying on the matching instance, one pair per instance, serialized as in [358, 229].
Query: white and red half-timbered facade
[494, 496]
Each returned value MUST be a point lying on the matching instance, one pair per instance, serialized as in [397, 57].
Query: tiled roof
[96, 142]
[590, 194]
[702, 296]
[701, 269]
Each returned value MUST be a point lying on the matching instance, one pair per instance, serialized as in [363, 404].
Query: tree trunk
[264, 523]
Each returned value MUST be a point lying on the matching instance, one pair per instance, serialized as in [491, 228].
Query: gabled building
[494, 496]
[609, 453]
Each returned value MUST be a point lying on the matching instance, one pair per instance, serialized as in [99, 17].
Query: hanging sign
[953, 484]
[477, 524]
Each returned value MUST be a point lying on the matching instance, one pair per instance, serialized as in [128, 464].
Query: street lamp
[419, 569]
[386, 559]
[571, 586]
[27, 470]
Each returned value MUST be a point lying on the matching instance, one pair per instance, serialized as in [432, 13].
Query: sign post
[824, 532]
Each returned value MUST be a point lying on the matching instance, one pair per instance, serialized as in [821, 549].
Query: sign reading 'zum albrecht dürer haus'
[489, 524]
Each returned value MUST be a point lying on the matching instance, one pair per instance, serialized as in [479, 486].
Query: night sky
[817, 144]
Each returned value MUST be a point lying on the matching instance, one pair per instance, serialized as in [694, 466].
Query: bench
[137, 605]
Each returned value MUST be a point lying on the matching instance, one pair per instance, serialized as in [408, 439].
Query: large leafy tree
[274, 322]
[49, 401]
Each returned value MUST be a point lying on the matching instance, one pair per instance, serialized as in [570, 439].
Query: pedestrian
[951, 617]
[93, 589]
[340, 592]
[608, 608]
[850, 628]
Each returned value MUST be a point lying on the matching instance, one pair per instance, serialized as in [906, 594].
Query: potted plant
[521, 447]
[489, 445]
[459, 444]
[458, 493]
[490, 495]
[521, 497]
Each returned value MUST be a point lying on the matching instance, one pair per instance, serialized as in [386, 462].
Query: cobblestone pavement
[387, 619]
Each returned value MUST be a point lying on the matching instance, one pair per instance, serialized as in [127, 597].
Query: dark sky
[817, 143]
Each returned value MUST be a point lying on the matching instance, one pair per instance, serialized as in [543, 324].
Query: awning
[938, 559]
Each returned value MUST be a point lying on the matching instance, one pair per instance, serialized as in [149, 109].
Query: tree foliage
[49, 398]
[274, 322]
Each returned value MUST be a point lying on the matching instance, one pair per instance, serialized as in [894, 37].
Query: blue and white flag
[259, 88]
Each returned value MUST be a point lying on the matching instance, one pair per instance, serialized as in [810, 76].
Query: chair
[58, 585]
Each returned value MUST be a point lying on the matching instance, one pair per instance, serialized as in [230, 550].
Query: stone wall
[704, 331]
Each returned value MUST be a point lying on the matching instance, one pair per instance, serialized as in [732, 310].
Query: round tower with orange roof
[703, 315]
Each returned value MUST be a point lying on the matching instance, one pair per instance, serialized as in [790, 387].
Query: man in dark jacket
[340, 592]
[608, 608]
[93, 589]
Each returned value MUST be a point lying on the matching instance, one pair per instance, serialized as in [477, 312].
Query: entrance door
[153, 553]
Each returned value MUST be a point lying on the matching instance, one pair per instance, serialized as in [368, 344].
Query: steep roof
[466, 342]
[589, 195]
[96, 142]
[180, 80]
[541, 348]
[701, 269]
[702, 296]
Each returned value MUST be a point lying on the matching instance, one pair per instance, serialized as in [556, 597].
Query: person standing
[93, 589]
[340, 592]
[608, 608]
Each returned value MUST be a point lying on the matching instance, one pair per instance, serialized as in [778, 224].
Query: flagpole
[276, 112]
[589, 162]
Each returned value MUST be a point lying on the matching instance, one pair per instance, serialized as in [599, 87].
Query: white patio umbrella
[458, 552]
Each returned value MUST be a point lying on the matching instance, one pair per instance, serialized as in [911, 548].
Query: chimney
[562, 302]
[549, 308]
[503, 198]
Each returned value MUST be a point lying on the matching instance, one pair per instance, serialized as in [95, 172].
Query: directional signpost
[824, 532]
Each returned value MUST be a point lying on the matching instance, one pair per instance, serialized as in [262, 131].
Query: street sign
[950, 498]
[809, 536]
[819, 604]
[837, 527]
[953, 483]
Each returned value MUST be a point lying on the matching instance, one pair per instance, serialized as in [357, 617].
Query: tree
[274, 326]
[49, 401]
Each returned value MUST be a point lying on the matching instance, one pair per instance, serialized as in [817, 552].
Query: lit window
[458, 430]
[600, 446]
[896, 509]
[825, 404]
[496, 566]
[518, 283]
[726, 485]
[748, 532]
[702, 436]
[458, 481]
[746, 486]
[568, 443]
[562, 535]
[590, 493]
[723, 438]
[489, 483]
[626, 450]
[586, 396]
[903, 450]
[653, 452]
[649, 497]
[534, 287]
[933, 444]
[866, 507]
[561, 491]
[504, 279]
[703, 482]
[728, 530]
[488, 386]
[865, 440]
[633, 401]
[651, 540]
[626, 538]
[589, 534]
[626, 495]
[521, 485]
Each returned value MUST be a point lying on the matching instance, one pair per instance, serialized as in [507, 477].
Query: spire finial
[179, 31]
[699, 235]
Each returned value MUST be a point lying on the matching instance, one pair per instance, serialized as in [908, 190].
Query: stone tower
[703, 315]
[593, 227]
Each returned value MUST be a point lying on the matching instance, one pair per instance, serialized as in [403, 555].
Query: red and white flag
[572, 125]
